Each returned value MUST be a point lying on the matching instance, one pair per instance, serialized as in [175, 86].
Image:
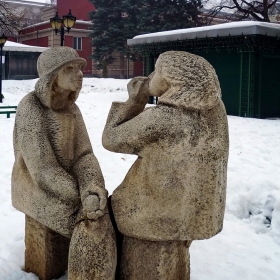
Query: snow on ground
[248, 248]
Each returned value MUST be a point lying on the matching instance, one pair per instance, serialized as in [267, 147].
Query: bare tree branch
[11, 19]
[227, 10]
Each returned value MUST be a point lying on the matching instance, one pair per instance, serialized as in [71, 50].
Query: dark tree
[110, 30]
[115, 21]
[229, 10]
[161, 15]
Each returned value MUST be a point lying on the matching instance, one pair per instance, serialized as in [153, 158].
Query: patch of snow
[248, 248]
[12, 46]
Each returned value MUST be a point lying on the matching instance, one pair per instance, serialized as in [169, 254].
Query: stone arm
[129, 129]
[86, 168]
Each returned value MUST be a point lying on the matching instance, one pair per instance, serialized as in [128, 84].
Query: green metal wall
[246, 65]
[249, 81]
[269, 87]
[227, 66]
[21, 65]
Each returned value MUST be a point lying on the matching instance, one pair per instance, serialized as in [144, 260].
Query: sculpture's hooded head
[192, 81]
[60, 73]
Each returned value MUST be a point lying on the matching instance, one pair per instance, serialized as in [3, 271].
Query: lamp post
[128, 56]
[68, 22]
[3, 40]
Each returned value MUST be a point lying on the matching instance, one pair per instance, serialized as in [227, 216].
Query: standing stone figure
[56, 179]
[175, 191]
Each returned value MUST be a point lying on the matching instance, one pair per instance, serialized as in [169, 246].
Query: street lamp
[3, 40]
[68, 22]
[128, 56]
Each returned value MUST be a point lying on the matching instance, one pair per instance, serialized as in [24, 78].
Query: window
[77, 43]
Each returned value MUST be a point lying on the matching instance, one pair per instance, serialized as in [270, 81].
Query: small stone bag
[93, 252]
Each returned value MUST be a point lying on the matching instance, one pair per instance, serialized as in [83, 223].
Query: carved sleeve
[126, 132]
[86, 168]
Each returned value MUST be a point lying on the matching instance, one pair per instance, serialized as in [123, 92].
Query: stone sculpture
[175, 191]
[56, 178]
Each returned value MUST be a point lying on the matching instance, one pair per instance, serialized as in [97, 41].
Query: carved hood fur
[198, 90]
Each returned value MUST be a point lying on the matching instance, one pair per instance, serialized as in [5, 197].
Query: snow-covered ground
[249, 245]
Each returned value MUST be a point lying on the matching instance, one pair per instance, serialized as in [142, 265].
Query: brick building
[41, 34]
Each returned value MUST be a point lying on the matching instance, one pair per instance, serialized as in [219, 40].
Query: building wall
[85, 52]
[42, 42]
[121, 68]
[34, 28]
[42, 35]
[48, 12]
[36, 35]
[21, 65]
[138, 68]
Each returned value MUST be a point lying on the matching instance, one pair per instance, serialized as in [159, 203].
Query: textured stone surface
[53, 60]
[56, 176]
[55, 168]
[93, 253]
[46, 252]
[176, 189]
[144, 260]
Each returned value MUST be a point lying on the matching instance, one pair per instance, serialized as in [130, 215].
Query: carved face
[67, 85]
[70, 77]
[157, 84]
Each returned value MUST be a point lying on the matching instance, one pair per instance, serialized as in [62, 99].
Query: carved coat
[55, 167]
[176, 188]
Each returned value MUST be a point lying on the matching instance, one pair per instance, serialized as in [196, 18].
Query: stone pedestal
[156, 260]
[46, 252]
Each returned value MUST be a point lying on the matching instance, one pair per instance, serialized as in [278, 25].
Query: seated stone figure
[56, 174]
[175, 191]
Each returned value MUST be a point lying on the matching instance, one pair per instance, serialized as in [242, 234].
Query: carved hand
[95, 204]
[138, 90]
